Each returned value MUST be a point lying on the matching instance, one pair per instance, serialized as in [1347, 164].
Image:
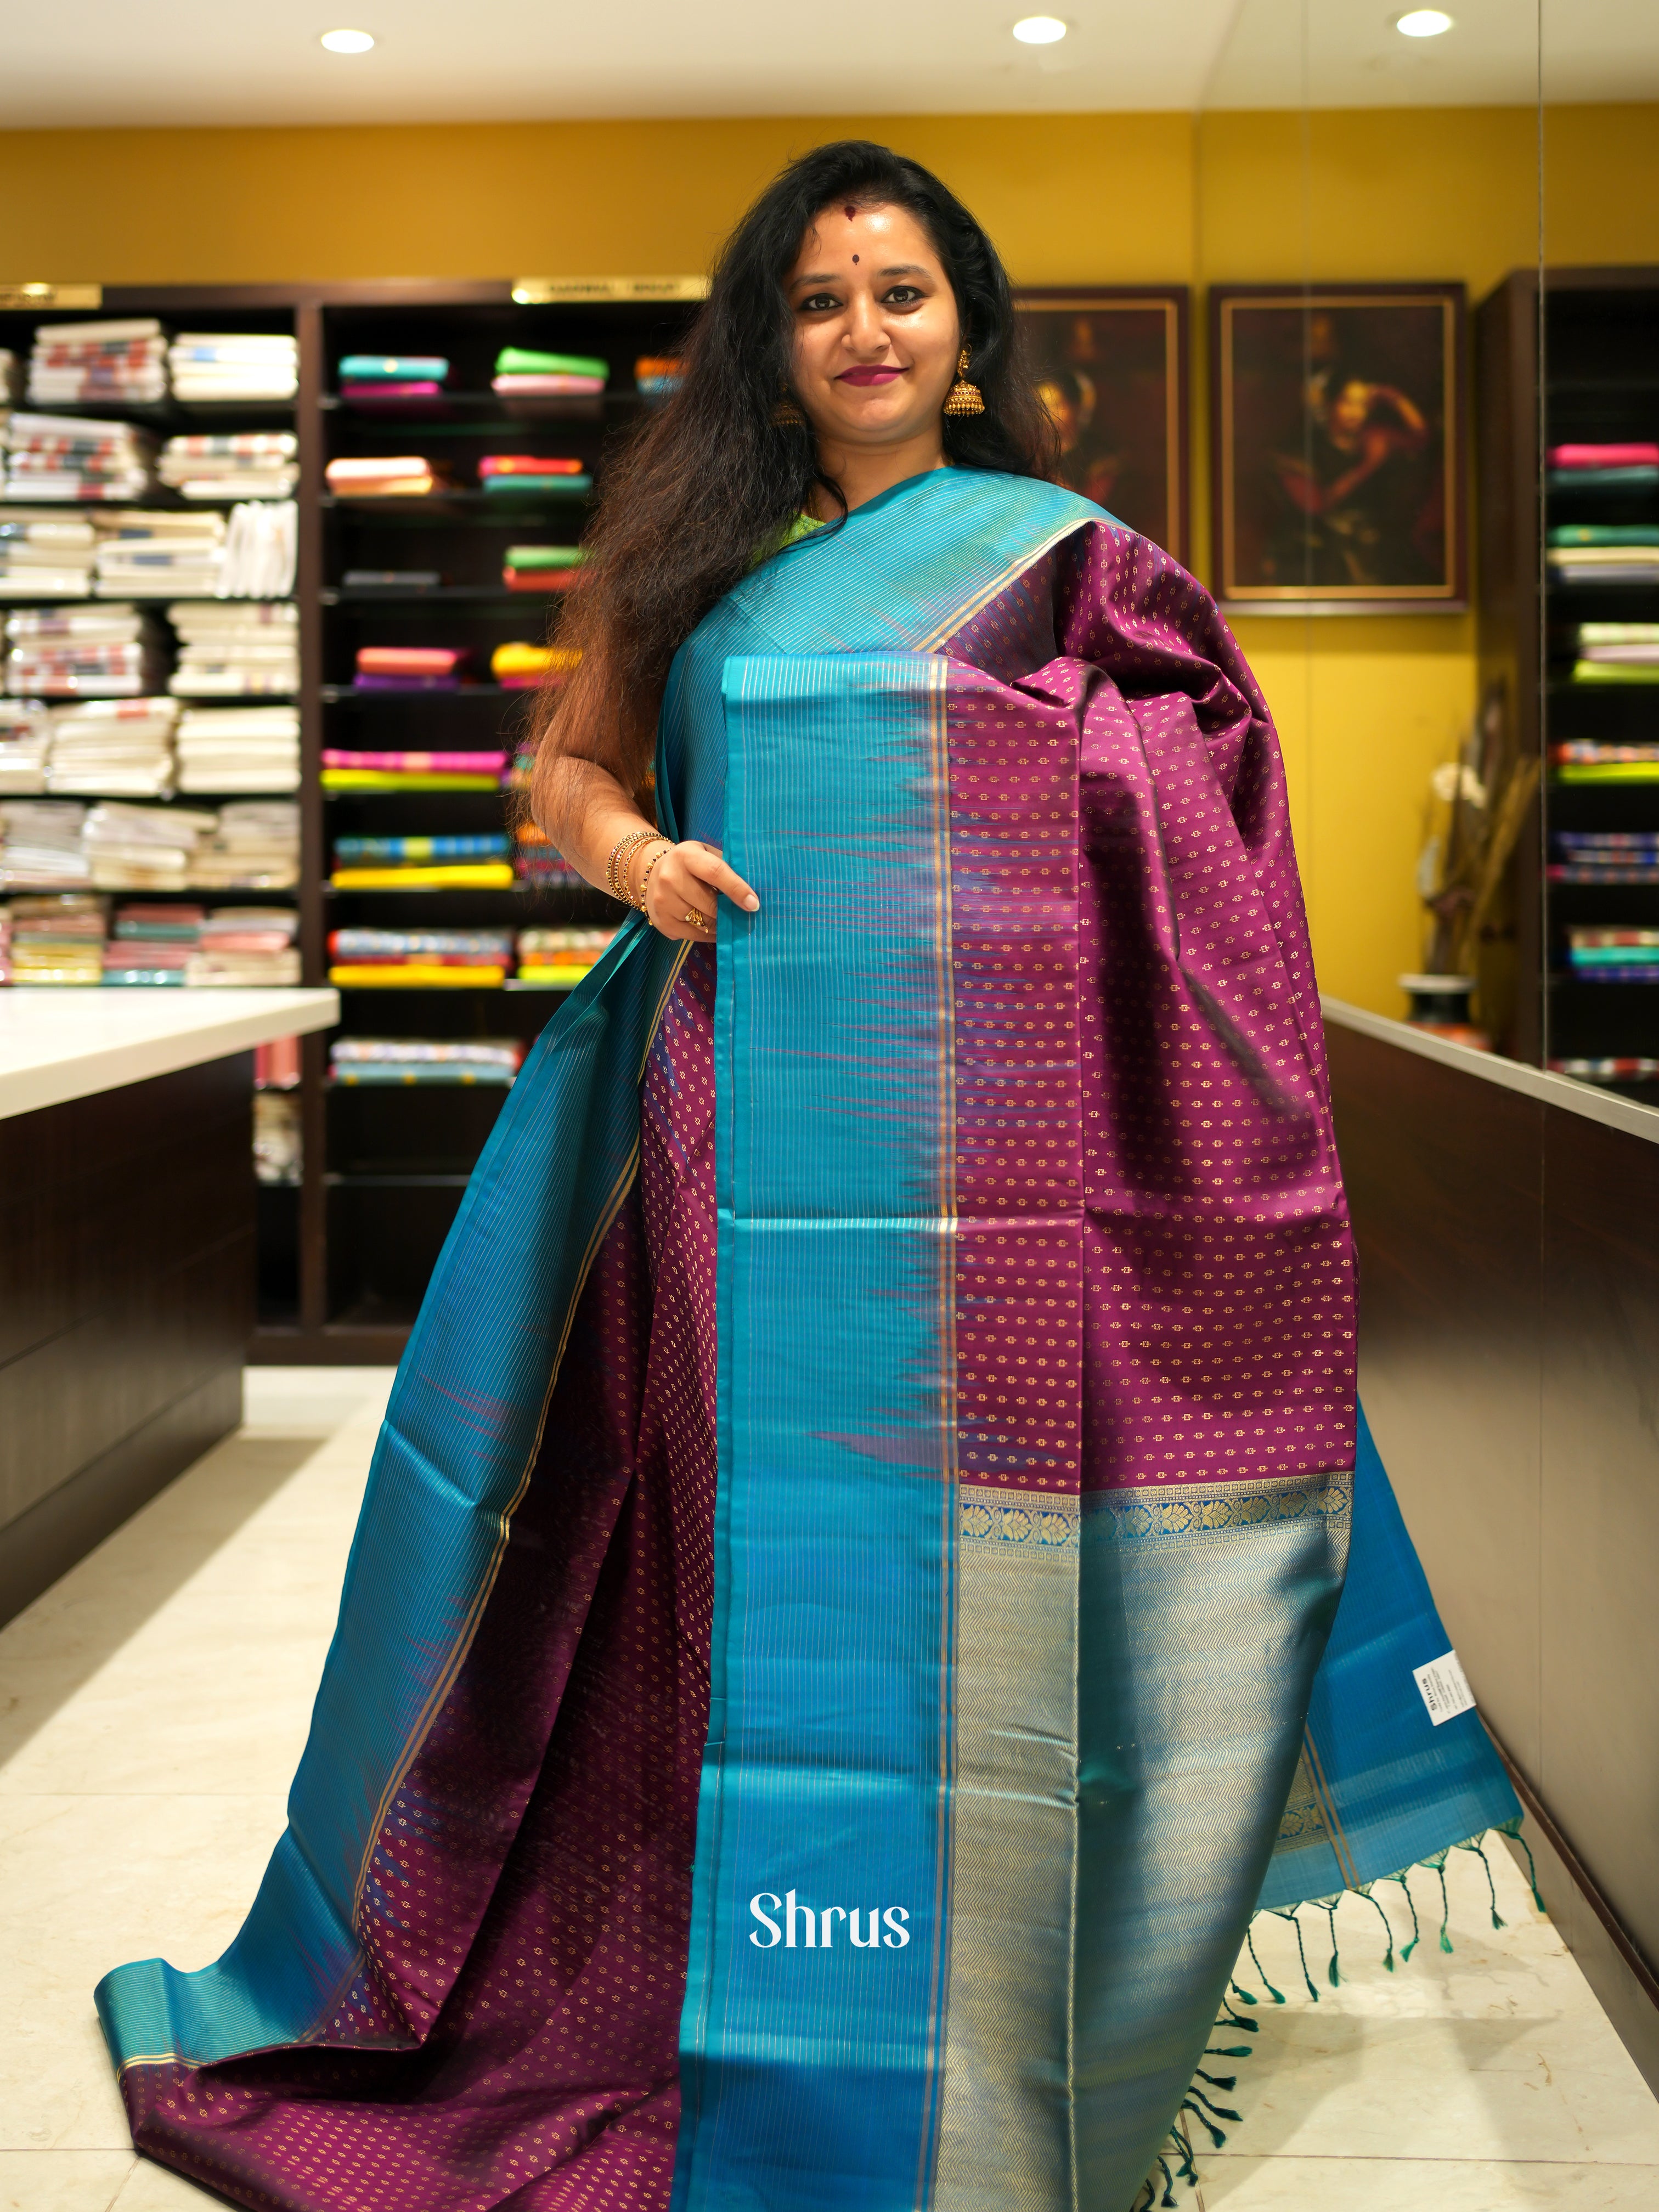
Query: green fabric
[519, 360]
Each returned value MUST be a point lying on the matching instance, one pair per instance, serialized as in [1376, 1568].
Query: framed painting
[1111, 364]
[1337, 450]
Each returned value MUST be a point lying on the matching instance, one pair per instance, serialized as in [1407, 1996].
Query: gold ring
[697, 918]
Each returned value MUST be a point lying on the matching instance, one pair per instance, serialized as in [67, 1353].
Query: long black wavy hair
[712, 478]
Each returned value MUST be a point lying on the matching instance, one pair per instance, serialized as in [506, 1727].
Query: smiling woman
[882, 1428]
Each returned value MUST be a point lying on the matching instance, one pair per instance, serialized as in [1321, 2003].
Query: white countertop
[1587, 1099]
[61, 1044]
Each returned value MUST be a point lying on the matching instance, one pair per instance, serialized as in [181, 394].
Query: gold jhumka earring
[787, 416]
[964, 397]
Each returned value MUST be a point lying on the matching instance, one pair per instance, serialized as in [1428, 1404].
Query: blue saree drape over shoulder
[1029, 1665]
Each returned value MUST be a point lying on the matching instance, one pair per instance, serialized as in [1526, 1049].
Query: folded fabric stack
[402, 476]
[1603, 553]
[411, 771]
[1625, 1070]
[233, 465]
[1605, 856]
[657, 377]
[1613, 955]
[395, 864]
[121, 747]
[408, 667]
[85, 362]
[541, 568]
[246, 945]
[518, 476]
[144, 848]
[255, 848]
[522, 373]
[45, 555]
[71, 456]
[151, 946]
[262, 550]
[161, 556]
[57, 941]
[536, 861]
[420, 959]
[11, 377]
[1618, 653]
[250, 650]
[234, 365]
[92, 653]
[558, 959]
[489, 1061]
[368, 380]
[278, 1138]
[43, 844]
[24, 745]
[238, 749]
[1603, 467]
[1584, 760]
[520, 667]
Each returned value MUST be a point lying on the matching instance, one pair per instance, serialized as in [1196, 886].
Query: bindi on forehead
[850, 212]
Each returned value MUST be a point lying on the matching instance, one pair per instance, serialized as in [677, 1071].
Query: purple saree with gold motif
[832, 1653]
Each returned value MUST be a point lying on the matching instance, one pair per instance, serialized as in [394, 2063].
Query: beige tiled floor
[153, 1705]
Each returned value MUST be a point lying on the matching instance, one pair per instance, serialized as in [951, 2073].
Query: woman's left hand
[684, 882]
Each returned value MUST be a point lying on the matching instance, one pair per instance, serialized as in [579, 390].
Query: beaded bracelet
[645, 878]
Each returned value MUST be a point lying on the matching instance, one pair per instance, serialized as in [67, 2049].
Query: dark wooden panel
[127, 1230]
[1599, 1531]
[69, 1400]
[46, 1542]
[1443, 1173]
[102, 1194]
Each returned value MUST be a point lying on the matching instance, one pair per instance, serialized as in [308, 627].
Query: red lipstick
[879, 375]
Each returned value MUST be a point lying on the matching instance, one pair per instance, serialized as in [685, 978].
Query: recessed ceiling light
[348, 42]
[1423, 23]
[1039, 30]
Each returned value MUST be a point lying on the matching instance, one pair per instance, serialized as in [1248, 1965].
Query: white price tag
[1445, 1688]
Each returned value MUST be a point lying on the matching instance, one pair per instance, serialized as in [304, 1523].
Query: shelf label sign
[547, 291]
[52, 295]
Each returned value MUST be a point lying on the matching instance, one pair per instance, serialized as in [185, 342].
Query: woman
[830, 1642]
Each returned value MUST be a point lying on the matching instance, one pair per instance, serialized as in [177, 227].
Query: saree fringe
[1159, 2188]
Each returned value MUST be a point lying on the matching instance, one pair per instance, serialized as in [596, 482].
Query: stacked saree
[831, 1657]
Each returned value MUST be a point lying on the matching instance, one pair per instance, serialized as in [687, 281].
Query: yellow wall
[1366, 707]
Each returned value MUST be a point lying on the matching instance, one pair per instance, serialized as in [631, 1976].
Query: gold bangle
[615, 868]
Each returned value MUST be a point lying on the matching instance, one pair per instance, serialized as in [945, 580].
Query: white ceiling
[137, 61]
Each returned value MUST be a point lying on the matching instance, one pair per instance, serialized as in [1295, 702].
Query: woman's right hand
[683, 884]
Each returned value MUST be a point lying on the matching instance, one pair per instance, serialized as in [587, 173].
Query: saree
[848, 1617]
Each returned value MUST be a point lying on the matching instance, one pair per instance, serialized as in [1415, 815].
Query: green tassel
[1479, 1848]
[1169, 2196]
[1330, 1914]
[1300, 1951]
[1231, 2019]
[1439, 1865]
[1228, 2082]
[1184, 2156]
[1244, 1996]
[1513, 1828]
[1417, 1932]
[1364, 1891]
[1215, 2135]
[1228, 2051]
[1277, 1995]
[1146, 2197]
